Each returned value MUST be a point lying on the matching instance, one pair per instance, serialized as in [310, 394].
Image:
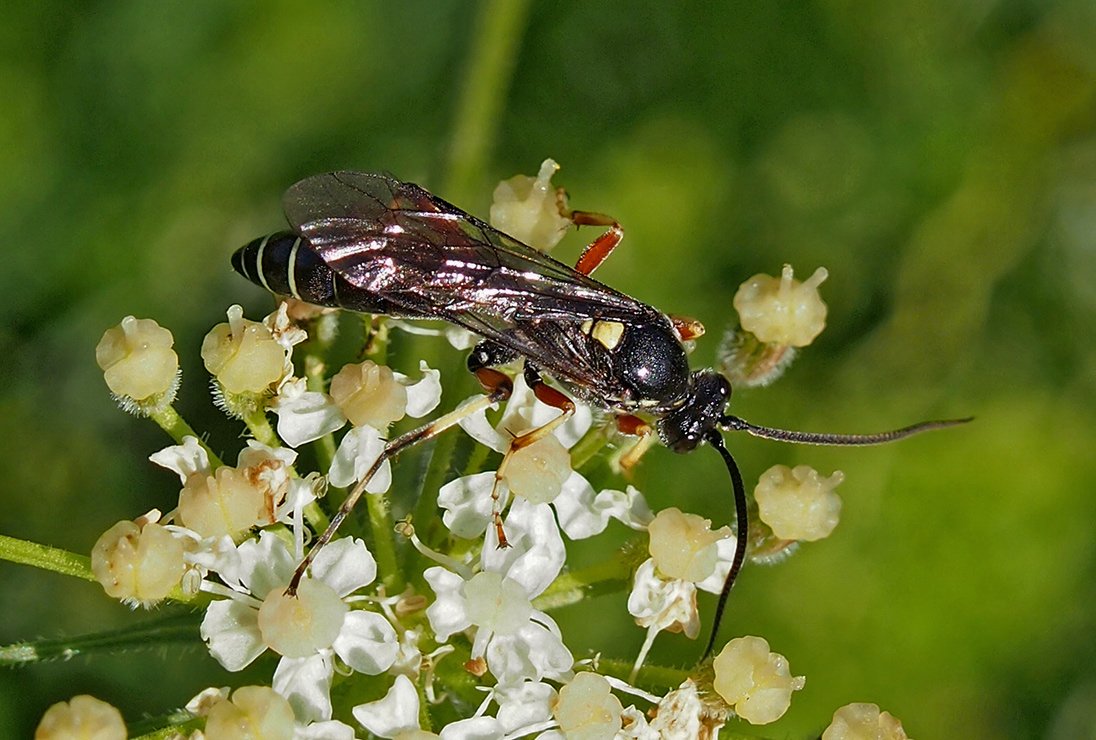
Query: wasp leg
[546, 394]
[600, 248]
[633, 426]
[427, 431]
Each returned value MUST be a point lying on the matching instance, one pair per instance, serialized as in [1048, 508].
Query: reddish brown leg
[600, 248]
[635, 427]
[546, 394]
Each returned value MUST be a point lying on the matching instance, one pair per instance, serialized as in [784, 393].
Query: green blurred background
[939, 158]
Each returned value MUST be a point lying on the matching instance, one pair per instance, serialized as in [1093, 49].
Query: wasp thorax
[652, 362]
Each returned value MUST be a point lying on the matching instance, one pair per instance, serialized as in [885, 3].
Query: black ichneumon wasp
[373, 244]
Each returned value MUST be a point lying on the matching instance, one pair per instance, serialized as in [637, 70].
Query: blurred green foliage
[939, 158]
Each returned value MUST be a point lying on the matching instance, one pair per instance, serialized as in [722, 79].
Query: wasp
[374, 244]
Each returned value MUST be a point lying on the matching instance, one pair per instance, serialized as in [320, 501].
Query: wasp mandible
[374, 244]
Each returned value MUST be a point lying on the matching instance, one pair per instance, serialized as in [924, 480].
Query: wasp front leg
[633, 426]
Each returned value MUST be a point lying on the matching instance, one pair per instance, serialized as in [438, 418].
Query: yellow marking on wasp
[291, 272]
[259, 263]
[608, 333]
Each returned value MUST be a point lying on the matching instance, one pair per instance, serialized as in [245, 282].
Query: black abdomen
[285, 263]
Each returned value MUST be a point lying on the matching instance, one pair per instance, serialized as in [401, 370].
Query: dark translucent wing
[399, 241]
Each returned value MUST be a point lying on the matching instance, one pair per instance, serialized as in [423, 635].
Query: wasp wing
[397, 241]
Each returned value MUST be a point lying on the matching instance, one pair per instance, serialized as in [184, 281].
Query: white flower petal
[526, 704]
[628, 507]
[581, 513]
[306, 417]
[265, 564]
[475, 728]
[257, 453]
[479, 429]
[345, 565]
[725, 549]
[448, 613]
[359, 449]
[536, 553]
[367, 643]
[185, 459]
[661, 604]
[306, 684]
[397, 712]
[231, 629]
[300, 494]
[533, 653]
[329, 730]
[425, 395]
[467, 503]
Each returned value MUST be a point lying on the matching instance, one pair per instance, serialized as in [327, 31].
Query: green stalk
[44, 557]
[176, 629]
[384, 541]
[498, 32]
[610, 576]
[177, 428]
[259, 426]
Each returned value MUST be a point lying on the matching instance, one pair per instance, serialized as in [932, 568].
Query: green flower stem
[592, 442]
[179, 724]
[176, 629]
[497, 35]
[177, 428]
[384, 541]
[44, 557]
[259, 426]
[610, 576]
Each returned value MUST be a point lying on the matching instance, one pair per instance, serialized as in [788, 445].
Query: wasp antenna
[716, 441]
[733, 423]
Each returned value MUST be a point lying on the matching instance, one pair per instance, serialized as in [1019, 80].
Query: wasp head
[701, 411]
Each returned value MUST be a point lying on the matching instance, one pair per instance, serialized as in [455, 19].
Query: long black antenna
[716, 440]
[733, 423]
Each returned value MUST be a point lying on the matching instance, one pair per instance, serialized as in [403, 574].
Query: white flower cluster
[456, 627]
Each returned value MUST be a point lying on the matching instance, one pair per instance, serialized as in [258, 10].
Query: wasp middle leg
[597, 250]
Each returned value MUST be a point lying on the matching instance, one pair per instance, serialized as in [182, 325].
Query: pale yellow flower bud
[82, 718]
[138, 563]
[586, 710]
[756, 682]
[530, 209]
[299, 626]
[228, 502]
[243, 355]
[798, 503]
[782, 310]
[537, 471]
[864, 722]
[683, 545]
[137, 359]
[254, 713]
[368, 394]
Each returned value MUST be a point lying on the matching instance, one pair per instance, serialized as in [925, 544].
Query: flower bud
[136, 563]
[798, 503]
[587, 709]
[530, 209]
[82, 718]
[243, 355]
[756, 682]
[254, 713]
[368, 394]
[864, 722]
[683, 545]
[782, 311]
[536, 472]
[298, 626]
[138, 363]
[226, 503]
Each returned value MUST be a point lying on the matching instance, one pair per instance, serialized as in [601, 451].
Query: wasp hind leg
[545, 394]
